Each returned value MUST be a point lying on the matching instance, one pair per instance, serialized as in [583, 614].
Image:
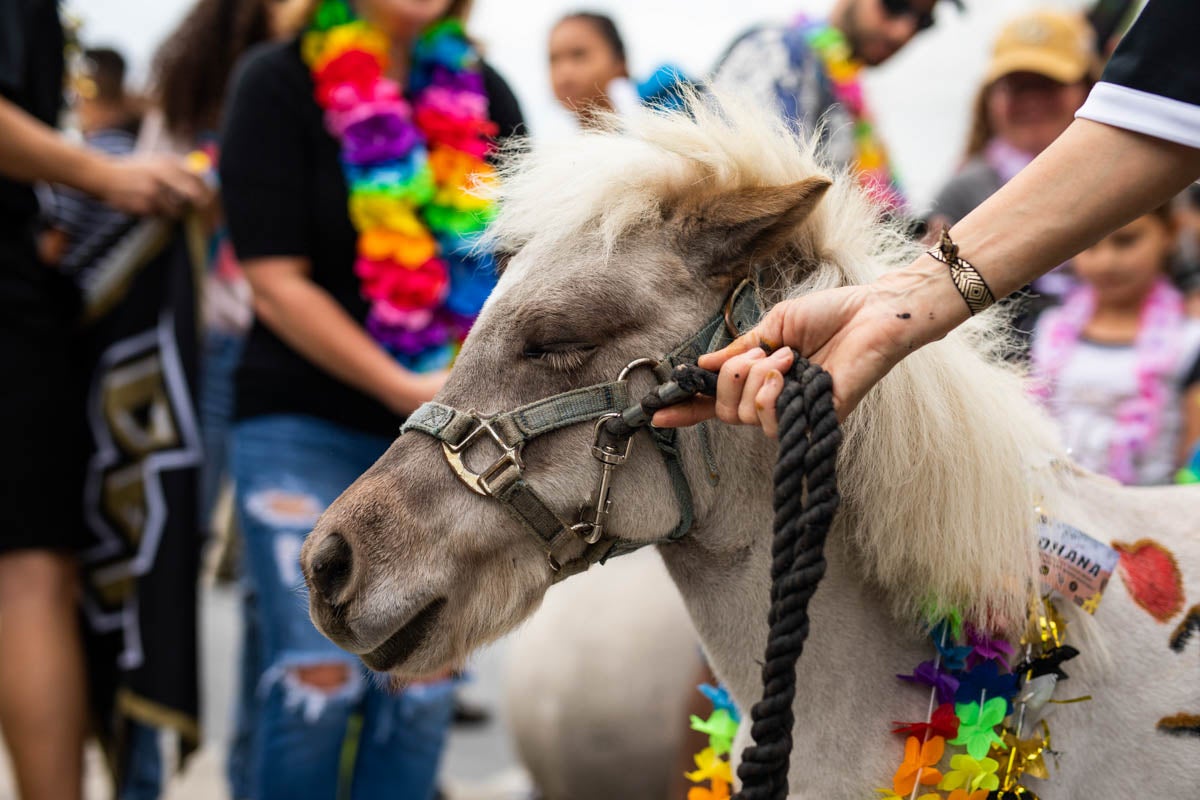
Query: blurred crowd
[204, 341]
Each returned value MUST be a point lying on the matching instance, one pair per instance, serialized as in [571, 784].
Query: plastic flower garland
[712, 763]
[979, 705]
[410, 165]
[871, 163]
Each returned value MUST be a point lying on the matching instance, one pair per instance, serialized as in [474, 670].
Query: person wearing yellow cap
[1043, 64]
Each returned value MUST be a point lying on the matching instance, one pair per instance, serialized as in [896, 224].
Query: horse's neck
[727, 594]
[723, 568]
[846, 678]
[847, 693]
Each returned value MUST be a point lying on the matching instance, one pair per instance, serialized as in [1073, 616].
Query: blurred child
[1118, 363]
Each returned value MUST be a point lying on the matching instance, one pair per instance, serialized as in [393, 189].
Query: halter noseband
[572, 548]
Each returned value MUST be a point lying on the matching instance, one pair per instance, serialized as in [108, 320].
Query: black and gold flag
[141, 497]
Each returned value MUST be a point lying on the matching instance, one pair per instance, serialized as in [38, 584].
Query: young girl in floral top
[1118, 363]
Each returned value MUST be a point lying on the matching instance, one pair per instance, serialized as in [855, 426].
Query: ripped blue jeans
[296, 741]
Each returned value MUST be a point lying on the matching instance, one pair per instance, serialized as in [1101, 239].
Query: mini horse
[621, 247]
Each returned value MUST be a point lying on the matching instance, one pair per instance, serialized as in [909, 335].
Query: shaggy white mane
[946, 460]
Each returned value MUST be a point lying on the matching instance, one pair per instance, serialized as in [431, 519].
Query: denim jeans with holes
[295, 737]
[221, 354]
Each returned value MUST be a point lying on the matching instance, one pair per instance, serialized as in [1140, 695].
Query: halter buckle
[482, 482]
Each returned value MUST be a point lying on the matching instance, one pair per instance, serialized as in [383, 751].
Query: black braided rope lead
[806, 499]
[687, 381]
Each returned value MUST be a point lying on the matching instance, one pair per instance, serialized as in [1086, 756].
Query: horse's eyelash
[563, 360]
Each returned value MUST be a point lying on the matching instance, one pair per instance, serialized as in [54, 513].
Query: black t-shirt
[1158, 55]
[1152, 83]
[31, 75]
[284, 194]
[34, 301]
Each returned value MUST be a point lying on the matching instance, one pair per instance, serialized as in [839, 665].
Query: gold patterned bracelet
[970, 284]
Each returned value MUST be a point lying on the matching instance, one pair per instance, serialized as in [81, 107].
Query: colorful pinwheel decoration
[971, 774]
[919, 765]
[977, 723]
[943, 722]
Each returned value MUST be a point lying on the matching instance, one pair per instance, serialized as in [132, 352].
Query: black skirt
[42, 445]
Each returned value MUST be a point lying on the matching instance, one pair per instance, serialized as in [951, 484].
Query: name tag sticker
[1073, 564]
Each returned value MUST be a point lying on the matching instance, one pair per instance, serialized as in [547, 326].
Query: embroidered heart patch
[1152, 576]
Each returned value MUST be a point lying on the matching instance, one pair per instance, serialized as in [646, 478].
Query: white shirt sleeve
[1143, 112]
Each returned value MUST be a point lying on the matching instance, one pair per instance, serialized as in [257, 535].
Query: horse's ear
[717, 232]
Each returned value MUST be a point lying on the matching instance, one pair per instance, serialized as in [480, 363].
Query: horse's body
[624, 246]
[848, 693]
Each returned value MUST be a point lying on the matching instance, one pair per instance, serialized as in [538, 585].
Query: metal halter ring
[730, 326]
[652, 363]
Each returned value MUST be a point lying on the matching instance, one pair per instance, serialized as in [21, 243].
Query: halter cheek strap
[504, 478]
[572, 548]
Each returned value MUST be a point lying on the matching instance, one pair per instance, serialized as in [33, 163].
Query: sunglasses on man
[903, 8]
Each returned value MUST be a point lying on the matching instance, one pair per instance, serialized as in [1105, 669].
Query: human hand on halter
[856, 333]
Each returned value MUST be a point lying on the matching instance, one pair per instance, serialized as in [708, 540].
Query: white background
[921, 98]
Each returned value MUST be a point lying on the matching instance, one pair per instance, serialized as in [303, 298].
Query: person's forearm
[1092, 180]
[306, 317]
[32, 151]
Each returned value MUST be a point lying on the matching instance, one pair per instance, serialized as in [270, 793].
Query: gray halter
[572, 548]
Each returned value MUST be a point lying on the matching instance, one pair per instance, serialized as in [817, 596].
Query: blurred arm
[308, 319]
[32, 151]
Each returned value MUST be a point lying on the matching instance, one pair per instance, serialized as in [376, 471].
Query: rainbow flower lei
[984, 715]
[1138, 418]
[875, 173]
[984, 731]
[410, 168]
[712, 763]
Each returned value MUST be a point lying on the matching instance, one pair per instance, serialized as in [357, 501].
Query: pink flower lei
[1140, 416]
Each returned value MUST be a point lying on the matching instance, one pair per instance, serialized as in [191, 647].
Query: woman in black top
[319, 398]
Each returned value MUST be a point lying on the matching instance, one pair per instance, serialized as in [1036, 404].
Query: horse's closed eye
[563, 356]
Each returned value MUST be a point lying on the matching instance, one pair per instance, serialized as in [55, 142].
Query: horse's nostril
[330, 567]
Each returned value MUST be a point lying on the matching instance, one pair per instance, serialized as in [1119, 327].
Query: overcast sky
[920, 98]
